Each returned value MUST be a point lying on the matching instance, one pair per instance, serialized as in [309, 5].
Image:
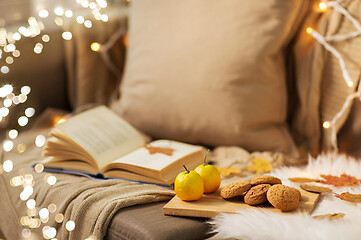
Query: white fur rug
[253, 224]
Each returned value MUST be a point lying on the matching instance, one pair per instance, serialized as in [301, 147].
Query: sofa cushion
[210, 72]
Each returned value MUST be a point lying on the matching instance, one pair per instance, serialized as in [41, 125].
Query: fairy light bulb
[350, 83]
[322, 6]
[95, 47]
[326, 124]
[309, 30]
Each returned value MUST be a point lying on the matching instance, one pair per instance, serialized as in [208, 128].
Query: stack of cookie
[262, 189]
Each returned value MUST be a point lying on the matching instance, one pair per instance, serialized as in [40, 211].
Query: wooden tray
[212, 204]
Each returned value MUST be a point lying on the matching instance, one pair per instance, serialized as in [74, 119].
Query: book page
[103, 134]
[158, 161]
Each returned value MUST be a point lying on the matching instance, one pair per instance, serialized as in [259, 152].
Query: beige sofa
[70, 76]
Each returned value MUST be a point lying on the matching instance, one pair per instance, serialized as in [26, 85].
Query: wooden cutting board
[212, 204]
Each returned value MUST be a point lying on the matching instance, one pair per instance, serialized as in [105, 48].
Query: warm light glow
[326, 124]
[67, 35]
[59, 120]
[13, 134]
[17, 36]
[59, 218]
[4, 111]
[95, 47]
[38, 48]
[8, 145]
[40, 140]
[350, 83]
[17, 181]
[104, 18]
[31, 203]
[26, 233]
[45, 38]
[309, 30]
[50, 233]
[322, 6]
[29, 112]
[5, 69]
[68, 13]
[44, 213]
[52, 207]
[51, 180]
[22, 121]
[80, 19]
[8, 166]
[58, 21]
[70, 226]
[39, 168]
[16, 53]
[25, 90]
[21, 148]
[43, 13]
[88, 24]
[8, 89]
[9, 60]
[59, 11]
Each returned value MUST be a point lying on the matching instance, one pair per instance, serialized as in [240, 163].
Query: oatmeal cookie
[257, 194]
[235, 189]
[283, 197]
[266, 179]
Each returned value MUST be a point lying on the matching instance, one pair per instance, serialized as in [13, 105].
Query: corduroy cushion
[210, 72]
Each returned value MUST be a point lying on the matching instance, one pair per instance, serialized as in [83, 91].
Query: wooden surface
[212, 204]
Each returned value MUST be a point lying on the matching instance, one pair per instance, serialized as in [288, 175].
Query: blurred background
[51, 50]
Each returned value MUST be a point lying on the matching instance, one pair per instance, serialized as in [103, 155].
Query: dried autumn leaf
[303, 180]
[314, 188]
[346, 196]
[228, 171]
[260, 165]
[154, 150]
[330, 216]
[341, 181]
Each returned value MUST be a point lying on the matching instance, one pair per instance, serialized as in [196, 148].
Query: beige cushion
[210, 72]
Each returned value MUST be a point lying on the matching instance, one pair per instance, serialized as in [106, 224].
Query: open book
[99, 141]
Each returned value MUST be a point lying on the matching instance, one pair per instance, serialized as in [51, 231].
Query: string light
[324, 42]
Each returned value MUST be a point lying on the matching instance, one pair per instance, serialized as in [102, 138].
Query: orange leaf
[346, 196]
[330, 216]
[316, 189]
[341, 181]
[154, 150]
[303, 180]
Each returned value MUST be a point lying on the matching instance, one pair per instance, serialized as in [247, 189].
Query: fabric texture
[147, 222]
[90, 79]
[207, 79]
[321, 89]
[90, 203]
